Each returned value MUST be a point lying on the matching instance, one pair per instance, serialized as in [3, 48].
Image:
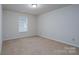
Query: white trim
[48, 37]
[17, 37]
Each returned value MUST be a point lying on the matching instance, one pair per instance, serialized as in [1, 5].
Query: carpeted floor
[37, 46]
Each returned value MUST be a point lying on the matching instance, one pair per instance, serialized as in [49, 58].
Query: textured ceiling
[26, 8]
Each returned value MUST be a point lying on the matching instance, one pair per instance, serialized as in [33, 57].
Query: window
[23, 24]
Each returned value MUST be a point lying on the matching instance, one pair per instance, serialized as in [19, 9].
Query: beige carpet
[37, 46]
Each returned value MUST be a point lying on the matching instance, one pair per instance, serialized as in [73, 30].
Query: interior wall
[10, 25]
[0, 28]
[61, 25]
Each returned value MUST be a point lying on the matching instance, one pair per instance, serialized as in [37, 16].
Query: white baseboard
[18, 37]
[65, 42]
[48, 37]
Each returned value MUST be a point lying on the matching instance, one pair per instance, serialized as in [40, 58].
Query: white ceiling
[26, 8]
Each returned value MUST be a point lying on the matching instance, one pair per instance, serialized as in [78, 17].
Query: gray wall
[10, 25]
[61, 25]
[0, 28]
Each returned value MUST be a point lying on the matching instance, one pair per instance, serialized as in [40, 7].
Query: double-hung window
[23, 24]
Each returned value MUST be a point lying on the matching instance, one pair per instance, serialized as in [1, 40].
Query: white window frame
[20, 29]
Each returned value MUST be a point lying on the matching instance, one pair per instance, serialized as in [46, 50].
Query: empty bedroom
[39, 29]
